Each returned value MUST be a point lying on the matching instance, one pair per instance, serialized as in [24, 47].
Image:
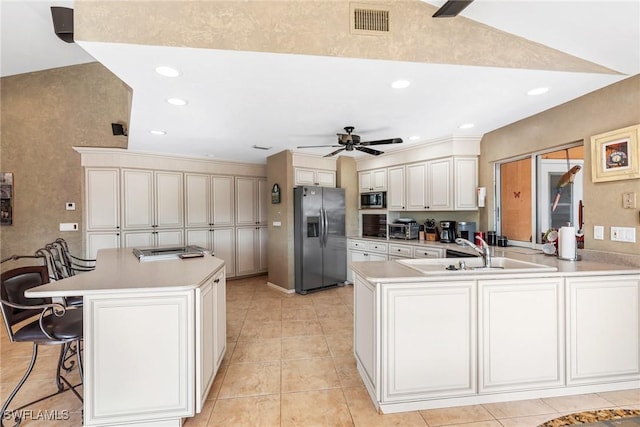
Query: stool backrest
[13, 284]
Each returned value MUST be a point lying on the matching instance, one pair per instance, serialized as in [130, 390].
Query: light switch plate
[68, 226]
[70, 206]
[598, 232]
[623, 234]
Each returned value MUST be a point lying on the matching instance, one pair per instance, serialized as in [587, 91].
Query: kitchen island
[154, 336]
[426, 337]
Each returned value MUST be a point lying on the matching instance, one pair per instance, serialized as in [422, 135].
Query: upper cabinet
[316, 177]
[102, 194]
[445, 184]
[251, 201]
[209, 200]
[152, 199]
[373, 180]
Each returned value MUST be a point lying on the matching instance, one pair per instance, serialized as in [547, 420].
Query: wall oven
[376, 200]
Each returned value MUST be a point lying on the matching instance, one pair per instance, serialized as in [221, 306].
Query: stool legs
[17, 418]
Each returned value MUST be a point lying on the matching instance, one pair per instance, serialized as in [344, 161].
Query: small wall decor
[6, 198]
[275, 194]
[614, 155]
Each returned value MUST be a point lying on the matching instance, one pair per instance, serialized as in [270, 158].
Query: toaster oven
[407, 231]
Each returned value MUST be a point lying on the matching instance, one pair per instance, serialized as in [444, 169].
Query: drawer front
[378, 247]
[400, 250]
[427, 253]
[358, 244]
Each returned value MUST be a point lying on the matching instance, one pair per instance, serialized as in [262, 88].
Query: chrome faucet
[484, 251]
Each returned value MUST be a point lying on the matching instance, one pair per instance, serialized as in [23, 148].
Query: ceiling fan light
[538, 91]
[166, 71]
[157, 132]
[177, 101]
[414, 138]
[401, 84]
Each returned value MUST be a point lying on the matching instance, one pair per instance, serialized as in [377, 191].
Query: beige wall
[347, 178]
[610, 108]
[43, 115]
[281, 245]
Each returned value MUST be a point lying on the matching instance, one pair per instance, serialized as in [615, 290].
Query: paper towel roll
[567, 242]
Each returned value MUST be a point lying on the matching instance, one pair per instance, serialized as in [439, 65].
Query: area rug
[600, 418]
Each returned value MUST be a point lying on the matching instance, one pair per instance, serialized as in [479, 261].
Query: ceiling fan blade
[369, 150]
[318, 146]
[335, 152]
[451, 8]
[382, 141]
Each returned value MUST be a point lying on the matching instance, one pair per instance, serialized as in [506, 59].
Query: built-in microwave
[376, 200]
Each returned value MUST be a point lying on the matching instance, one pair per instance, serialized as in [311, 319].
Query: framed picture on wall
[6, 198]
[614, 155]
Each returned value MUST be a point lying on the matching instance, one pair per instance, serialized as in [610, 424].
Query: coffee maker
[447, 231]
[466, 230]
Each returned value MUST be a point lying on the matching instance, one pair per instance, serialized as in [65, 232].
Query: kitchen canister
[502, 241]
[567, 243]
[491, 238]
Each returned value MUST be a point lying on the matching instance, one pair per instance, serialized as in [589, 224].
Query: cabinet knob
[216, 281]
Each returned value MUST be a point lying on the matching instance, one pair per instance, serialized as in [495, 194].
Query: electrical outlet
[68, 226]
[623, 234]
[629, 200]
[598, 232]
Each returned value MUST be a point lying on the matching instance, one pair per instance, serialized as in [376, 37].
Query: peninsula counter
[426, 341]
[154, 336]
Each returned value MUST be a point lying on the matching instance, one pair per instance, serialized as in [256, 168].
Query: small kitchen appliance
[447, 231]
[404, 228]
[466, 230]
[375, 200]
[431, 230]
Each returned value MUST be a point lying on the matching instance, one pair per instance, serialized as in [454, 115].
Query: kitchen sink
[499, 265]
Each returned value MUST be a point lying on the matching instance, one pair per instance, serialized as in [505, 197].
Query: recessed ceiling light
[163, 70]
[211, 155]
[538, 91]
[261, 147]
[466, 126]
[157, 132]
[414, 138]
[400, 84]
[177, 101]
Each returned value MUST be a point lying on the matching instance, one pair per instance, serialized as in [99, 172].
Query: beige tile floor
[289, 362]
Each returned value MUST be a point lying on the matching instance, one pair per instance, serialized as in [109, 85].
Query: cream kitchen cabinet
[251, 250]
[465, 183]
[251, 201]
[603, 341]
[221, 241]
[315, 177]
[96, 240]
[364, 250]
[424, 252]
[373, 180]
[152, 199]
[400, 251]
[521, 334]
[211, 342]
[152, 238]
[396, 199]
[366, 340]
[209, 200]
[429, 185]
[102, 210]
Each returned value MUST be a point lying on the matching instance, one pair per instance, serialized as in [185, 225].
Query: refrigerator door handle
[325, 228]
[321, 225]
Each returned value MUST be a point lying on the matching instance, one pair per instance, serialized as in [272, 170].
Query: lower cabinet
[211, 333]
[428, 340]
[251, 250]
[365, 340]
[219, 240]
[603, 329]
[152, 238]
[96, 240]
[521, 334]
[356, 255]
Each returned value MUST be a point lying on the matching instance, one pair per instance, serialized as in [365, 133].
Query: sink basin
[499, 265]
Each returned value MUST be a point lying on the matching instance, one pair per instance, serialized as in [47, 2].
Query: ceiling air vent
[369, 20]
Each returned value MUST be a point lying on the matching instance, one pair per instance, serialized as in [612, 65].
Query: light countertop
[118, 270]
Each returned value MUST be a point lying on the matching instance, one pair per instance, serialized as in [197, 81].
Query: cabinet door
[428, 253]
[364, 181]
[199, 237]
[137, 199]
[138, 239]
[466, 183]
[440, 184]
[305, 176]
[169, 210]
[102, 193]
[224, 248]
[521, 334]
[603, 329]
[246, 201]
[326, 178]
[395, 193]
[263, 259]
[100, 240]
[416, 187]
[365, 337]
[246, 251]
[220, 319]
[379, 180]
[223, 200]
[169, 238]
[428, 340]
[205, 344]
[264, 197]
[197, 200]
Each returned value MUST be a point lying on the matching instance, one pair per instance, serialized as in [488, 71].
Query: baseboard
[281, 289]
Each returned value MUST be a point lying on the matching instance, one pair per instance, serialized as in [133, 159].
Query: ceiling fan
[349, 141]
[451, 8]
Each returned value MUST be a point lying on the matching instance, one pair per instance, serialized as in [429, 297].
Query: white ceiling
[240, 99]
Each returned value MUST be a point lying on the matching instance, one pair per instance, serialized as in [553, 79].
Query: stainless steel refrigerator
[320, 241]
